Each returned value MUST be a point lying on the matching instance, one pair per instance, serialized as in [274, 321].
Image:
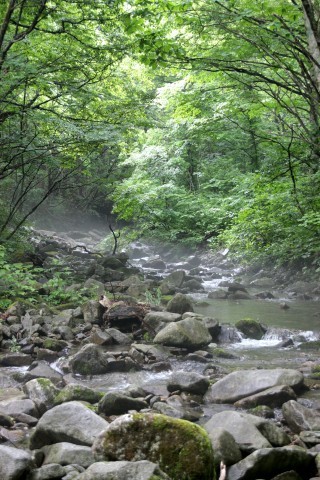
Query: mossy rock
[54, 344]
[221, 353]
[250, 328]
[78, 392]
[182, 449]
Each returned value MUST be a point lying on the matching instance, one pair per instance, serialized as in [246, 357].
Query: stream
[300, 321]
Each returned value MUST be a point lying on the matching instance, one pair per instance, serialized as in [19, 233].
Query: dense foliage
[198, 119]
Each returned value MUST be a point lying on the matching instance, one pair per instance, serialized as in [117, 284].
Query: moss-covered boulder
[250, 328]
[75, 391]
[182, 449]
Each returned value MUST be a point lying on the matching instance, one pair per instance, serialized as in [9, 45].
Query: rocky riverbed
[121, 387]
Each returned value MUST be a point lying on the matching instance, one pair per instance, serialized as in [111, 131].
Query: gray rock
[118, 337]
[41, 369]
[193, 285]
[176, 278]
[159, 353]
[155, 321]
[176, 411]
[91, 311]
[244, 383]
[180, 304]
[70, 422]
[191, 382]
[116, 403]
[160, 439]
[228, 334]
[15, 360]
[273, 397]
[89, 360]
[299, 417]
[14, 463]
[42, 392]
[122, 470]
[53, 471]
[250, 432]
[66, 453]
[98, 337]
[16, 407]
[224, 446]
[187, 333]
[268, 462]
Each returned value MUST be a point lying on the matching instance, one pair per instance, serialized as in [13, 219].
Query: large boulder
[268, 462]
[188, 333]
[243, 383]
[300, 418]
[123, 470]
[14, 463]
[182, 449]
[70, 422]
[250, 432]
[180, 304]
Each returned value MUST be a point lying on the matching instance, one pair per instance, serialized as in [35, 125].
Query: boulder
[155, 321]
[14, 408]
[176, 411]
[299, 417]
[70, 422]
[180, 304]
[65, 453]
[243, 383]
[42, 392]
[175, 278]
[92, 312]
[123, 470]
[182, 449]
[228, 334]
[273, 397]
[190, 382]
[14, 463]
[116, 403]
[250, 432]
[224, 446]
[89, 360]
[15, 360]
[53, 471]
[250, 328]
[118, 337]
[74, 391]
[188, 333]
[41, 369]
[99, 337]
[268, 462]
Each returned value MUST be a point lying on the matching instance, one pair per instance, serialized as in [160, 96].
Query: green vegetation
[197, 121]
